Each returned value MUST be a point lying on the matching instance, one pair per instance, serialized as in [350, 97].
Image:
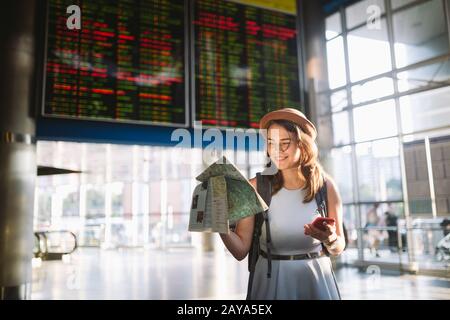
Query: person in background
[445, 224]
[373, 235]
[392, 221]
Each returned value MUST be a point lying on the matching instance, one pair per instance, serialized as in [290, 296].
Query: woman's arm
[333, 237]
[240, 241]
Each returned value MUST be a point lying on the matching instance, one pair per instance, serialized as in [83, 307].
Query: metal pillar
[311, 29]
[17, 146]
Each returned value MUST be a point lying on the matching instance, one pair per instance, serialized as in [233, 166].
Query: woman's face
[282, 147]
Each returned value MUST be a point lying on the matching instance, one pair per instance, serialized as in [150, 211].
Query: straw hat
[290, 114]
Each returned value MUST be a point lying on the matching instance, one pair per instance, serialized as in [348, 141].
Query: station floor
[187, 273]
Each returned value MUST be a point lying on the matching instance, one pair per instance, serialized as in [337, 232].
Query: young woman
[299, 268]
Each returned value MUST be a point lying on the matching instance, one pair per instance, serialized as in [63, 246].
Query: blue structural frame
[48, 128]
[124, 133]
[330, 6]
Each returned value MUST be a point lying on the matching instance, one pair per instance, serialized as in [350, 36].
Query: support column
[312, 38]
[311, 29]
[17, 146]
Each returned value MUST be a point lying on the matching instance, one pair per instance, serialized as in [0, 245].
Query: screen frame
[300, 70]
[121, 121]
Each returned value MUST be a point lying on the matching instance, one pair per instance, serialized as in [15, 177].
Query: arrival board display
[246, 63]
[126, 62]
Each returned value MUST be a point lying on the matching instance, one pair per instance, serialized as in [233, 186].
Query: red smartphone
[321, 222]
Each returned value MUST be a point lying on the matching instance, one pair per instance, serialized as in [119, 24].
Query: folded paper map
[224, 195]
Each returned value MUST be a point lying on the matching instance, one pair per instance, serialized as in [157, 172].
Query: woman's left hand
[328, 235]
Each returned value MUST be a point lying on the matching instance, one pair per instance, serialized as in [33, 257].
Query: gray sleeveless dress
[292, 279]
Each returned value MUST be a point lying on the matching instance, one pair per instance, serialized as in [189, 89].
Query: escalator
[53, 245]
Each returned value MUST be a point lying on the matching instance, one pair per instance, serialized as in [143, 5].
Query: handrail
[43, 238]
[402, 228]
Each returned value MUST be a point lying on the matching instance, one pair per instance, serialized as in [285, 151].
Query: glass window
[341, 130]
[336, 63]
[68, 155]
[141, 217]
[241, 162]
[430, 75]
[339, 100]
[395, 4]
[379, 244]
[349, 216]
[370, 214]
[256, 161]
[70, 201]
[336, 101]
[129, 228]
[228, 152]
[118, 198]
[178, 210]
[437, 133]
[141, 163]
[363, 11]
[379, 170]
[368, 51]
[323, 102]
[121, 162]
[425, 110]
[95, 201]
[333, 26]
[325, 132]
[121, 233]
[44, 152]
[341, 171]
[43, 216]
[94, 163]
[154, 163]
[181, 161]
[155, 225]
[118, 207]
[375, 121]
[372, 90]
[420, 33]
[179, 167]
[417, 181]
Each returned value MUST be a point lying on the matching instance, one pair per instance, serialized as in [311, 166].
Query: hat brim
[306, 125]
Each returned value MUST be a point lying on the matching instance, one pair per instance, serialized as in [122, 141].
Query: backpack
[264, 188]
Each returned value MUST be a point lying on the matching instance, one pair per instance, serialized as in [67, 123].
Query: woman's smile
[281, 158]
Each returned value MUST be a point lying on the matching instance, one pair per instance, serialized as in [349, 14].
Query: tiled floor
[189, 274]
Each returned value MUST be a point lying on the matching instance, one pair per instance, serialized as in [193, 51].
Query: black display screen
[126, 63]
[246, 63]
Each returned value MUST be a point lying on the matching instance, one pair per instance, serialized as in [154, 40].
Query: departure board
[126, 62]
[246, 63]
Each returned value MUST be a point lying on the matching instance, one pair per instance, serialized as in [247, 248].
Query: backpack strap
[267, 194]
[322, 205]
[321, 199]
[264, 188]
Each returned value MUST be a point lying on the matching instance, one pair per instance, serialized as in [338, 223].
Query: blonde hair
[309, 165]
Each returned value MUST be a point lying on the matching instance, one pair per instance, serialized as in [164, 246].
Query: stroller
[443, 249]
